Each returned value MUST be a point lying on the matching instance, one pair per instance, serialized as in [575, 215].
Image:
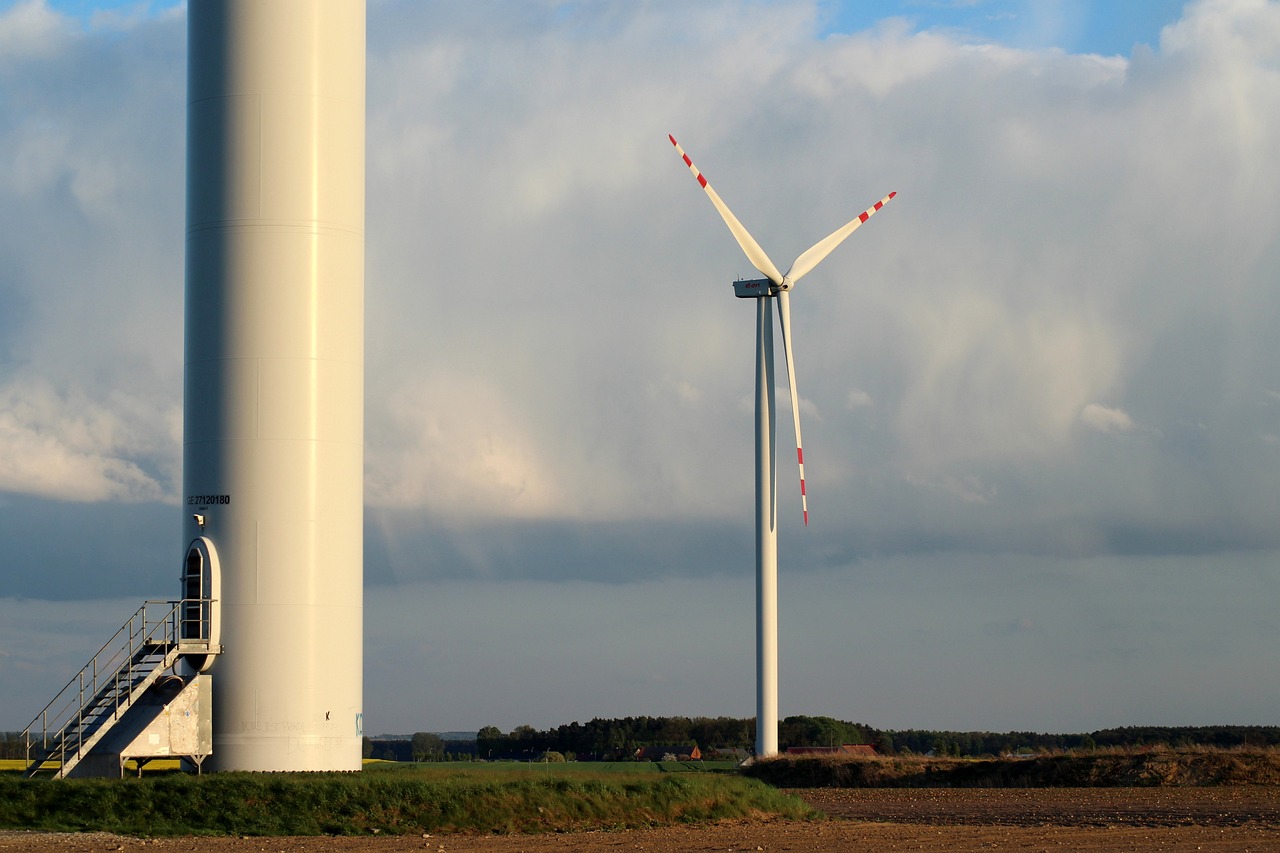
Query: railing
[106, 685]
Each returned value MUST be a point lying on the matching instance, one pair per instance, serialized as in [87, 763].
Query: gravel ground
[1092, 819]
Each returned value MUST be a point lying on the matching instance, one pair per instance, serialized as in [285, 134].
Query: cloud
[458, 448]
[71, 447]
[551, 333]
[967, 490]
[1104, 419]
[857, 399]
[29, 29]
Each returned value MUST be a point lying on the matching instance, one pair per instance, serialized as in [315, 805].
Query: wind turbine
[774, 286]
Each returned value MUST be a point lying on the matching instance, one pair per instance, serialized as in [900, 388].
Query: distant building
[669, 752]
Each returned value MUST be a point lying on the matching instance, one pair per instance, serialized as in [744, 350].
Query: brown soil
[1112, 819]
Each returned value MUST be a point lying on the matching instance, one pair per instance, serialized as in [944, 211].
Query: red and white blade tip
[804, 497]
[688, 162]
[866, 214]
[746, 242]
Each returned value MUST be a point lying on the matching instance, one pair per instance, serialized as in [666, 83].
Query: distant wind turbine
[775, 285]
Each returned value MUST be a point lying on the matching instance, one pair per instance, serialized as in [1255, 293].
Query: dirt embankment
[1135, 769]
[1256, 806]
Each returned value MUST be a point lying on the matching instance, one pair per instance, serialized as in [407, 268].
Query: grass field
[501, 797]
[168, 765]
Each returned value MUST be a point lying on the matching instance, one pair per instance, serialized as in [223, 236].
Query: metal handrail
[106, 674]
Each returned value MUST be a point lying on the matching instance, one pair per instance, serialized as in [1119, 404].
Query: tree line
[621, 739]
[975, 744]
[629, 738]
[626, 738]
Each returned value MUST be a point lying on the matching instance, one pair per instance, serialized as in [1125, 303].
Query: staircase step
[83, 720]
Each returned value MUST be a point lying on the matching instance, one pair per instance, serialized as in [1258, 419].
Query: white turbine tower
[273, 463]
[775, 285]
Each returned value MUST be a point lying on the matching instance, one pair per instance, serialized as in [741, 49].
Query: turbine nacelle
[760, 288]
[754, 288]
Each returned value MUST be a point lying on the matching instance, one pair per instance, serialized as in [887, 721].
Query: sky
[1040, 389]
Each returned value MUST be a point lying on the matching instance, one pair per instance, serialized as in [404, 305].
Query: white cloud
[808, 409]
[456, 448]
[1105, 419]
[68, 446]
[29, 29]
[1222, 29]
[857, 399]
[995, 382]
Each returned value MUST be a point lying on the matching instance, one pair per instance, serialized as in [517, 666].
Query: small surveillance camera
[199, 519]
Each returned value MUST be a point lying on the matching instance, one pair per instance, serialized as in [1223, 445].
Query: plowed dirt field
[1088, 819]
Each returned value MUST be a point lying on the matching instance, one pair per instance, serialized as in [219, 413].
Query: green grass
[390, 799]
[379, 765]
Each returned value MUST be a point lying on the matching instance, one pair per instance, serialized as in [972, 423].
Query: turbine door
[195, 605]
[198, 611]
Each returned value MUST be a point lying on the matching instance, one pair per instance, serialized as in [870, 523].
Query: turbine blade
[750, 247]
[814, 255]
[784, 318]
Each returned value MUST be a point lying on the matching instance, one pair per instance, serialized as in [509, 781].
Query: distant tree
[366, 747]
[12, 745]
[463, 749]
[817, 731]
[1254, 738]
[392, 750]
[488, 741]
[721, 733]
[426, 746]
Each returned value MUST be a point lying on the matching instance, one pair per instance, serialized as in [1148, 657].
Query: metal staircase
[95, 699]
